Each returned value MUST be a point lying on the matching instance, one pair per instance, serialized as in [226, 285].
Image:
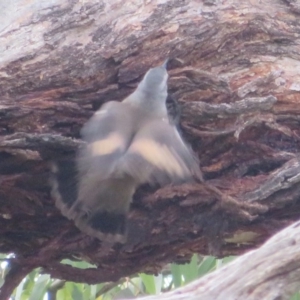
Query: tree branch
[270, 272]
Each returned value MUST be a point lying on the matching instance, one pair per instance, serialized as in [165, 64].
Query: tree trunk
[234, 71]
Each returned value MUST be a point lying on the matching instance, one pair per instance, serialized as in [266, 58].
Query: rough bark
[234, 71]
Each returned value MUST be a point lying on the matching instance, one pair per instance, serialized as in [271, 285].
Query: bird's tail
[99, 209]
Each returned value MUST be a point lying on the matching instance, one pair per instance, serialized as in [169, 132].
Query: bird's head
[154, 84]
[151, 93]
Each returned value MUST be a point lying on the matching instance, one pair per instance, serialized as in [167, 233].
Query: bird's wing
[158, 154]
[107, 135]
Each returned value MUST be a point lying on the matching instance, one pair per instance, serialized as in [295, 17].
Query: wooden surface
[234, 71]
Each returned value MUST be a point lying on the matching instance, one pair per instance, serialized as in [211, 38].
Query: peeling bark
[234, 71]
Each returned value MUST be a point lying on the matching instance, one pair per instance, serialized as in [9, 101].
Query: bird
[127, 144]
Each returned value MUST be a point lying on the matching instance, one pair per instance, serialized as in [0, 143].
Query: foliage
[39, 286]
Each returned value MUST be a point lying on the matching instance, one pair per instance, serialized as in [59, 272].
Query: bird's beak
[165, 64]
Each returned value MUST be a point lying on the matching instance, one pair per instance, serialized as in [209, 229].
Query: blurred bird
[128, 143]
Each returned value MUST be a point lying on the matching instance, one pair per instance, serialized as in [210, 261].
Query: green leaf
[176, 274]
[19, 290]
[295, 296]
[124, 294]
[31, 276]
[111, 294]
[77, 292]
[227, 259]
[40, 287]
[207, 265]
[149, 283]
[78, 264]
[190, 271]
[93, 291]
[65, 292]
[86, 291]
[135, 285]
[29, 284]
